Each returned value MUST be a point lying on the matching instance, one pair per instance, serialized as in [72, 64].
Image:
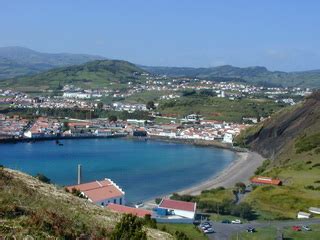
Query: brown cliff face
[277, 134]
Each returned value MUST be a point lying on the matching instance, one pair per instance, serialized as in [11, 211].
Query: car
[251, 229]
[208, 230]
[236, 221]
[139, 205]
[226, 221]
[306, 228]
[296, 228]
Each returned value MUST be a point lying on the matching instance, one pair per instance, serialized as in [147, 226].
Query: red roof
[265, 180]
[178, 205]
[99, 190]
[124, 209]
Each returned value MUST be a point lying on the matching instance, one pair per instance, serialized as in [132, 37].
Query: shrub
[42, 178]
[263, 167]
[158, 200]
[129, 227]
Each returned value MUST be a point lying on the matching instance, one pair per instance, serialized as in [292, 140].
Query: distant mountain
[95, 74]
[18, 61]
[256, 75]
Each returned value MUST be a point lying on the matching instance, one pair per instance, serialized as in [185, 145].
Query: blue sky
[278, 34]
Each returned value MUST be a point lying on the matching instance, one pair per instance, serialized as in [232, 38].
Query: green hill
[18, 61]
[256, 75]
[95, 74]
[29, 207]
[291, 141]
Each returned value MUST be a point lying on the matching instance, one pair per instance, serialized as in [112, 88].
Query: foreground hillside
[30, 207]
[260, 75]
[95, 74]
[19, 61]
[291, 142]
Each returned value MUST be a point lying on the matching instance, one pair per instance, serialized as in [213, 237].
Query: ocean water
[144, 170]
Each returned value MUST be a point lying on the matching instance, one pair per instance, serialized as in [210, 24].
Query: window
[114, 200]
[120, 201]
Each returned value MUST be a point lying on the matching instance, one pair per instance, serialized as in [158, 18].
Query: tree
[100, 105]
[240, 187]
[150, 105]
[42, 178]
[130, 227]
[113, 118]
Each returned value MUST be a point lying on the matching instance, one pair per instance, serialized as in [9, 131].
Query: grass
[269, 233]
[219, 108]
[190, 230]
[218, 218]
[30, 207]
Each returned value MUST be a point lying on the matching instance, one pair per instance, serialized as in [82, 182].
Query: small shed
[303, 215]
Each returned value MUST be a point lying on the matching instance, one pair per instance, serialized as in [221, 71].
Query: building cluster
[44, 128]
[12, 127]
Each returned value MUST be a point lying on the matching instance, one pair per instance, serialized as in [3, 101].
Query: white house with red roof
[175, 211]
[101, 192]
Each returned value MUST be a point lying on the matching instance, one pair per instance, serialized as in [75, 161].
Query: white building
[228, 138]
[101, 192]
[303, 215]
[179, 209]
[79, 95]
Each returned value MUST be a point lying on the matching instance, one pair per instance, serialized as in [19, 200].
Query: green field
[219, 108]
[192, 232]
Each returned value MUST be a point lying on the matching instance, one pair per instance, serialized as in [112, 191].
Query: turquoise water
[143, 169]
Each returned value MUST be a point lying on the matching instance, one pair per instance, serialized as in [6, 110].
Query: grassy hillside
[219, 108]
[95, 74]
[255, 75]
[290, 139]
[30, 207]
[18, 61]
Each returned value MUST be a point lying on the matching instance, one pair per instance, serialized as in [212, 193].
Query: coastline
[240, 170]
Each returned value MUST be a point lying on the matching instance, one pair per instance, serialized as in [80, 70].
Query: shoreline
[239, 170]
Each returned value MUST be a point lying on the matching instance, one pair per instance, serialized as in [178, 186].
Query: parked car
[251, 229]
[236, 221]
[226, 221]
[306, 228]
[208, 230]
[296, 228]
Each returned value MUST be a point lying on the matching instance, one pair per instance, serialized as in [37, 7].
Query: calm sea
[143, 169]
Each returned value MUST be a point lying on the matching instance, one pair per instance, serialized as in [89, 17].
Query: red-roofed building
[265, 180]
[178, 208]
[129, 210]
[101, 192]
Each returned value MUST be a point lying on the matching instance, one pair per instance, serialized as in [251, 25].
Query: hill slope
[18, 61]
[95, 74]
[291, 141]
[255, 75]
[30, 207]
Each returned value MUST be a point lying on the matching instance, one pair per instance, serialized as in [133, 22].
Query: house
[303, 215]
[265, 180]
[314, 210]
[175, 211]
[101, 192]
[129, 210]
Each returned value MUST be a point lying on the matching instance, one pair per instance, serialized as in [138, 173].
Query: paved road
[225, 231]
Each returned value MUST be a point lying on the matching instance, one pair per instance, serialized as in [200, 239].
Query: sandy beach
[240, 170]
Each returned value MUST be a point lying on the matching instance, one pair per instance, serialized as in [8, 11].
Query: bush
[42, 178]
[158, 200]
[129, 227]
[181, 235]
[263, 167]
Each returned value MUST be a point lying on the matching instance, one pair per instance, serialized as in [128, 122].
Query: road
[225, 231]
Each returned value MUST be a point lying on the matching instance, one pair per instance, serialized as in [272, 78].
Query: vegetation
[130, 227]
[31, 207]
[256, 75]
[95, 74]
[183, 231]
[218, 108]
[18, 61]
[220, 201]
[42, 178]
[307, 143]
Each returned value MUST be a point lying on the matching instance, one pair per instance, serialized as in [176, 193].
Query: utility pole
[79, 174]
